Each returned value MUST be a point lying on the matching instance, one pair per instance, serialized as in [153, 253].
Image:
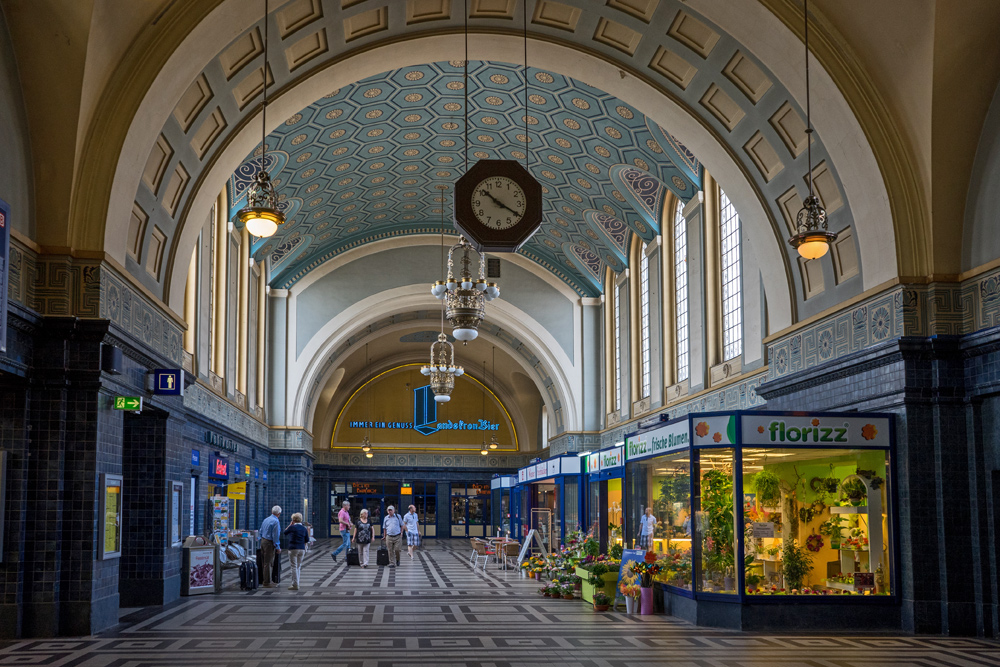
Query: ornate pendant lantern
[465, 298]
[812, 236]
[261, 215]
[442, 370]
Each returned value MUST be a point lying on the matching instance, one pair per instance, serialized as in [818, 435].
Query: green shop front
[768, 520]
[603, 474]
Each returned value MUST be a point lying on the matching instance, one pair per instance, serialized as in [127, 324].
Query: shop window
[571, 491]
[681, 294]
[716, 518]
[644, 320]
[816, 519]
[663, 484]
[732, 291]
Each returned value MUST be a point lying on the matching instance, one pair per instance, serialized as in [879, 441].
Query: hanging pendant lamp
[366, 443]
[261, 215]
[812, 236]
[442, 370]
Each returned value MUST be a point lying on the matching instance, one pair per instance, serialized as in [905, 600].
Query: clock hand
[498, 202]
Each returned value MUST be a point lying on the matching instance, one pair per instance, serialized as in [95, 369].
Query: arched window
[732, 295]
[644, 321]
[617, 324]
[681, 293]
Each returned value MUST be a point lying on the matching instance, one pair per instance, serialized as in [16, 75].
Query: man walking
[270, 544]
[345, 529]
[392, 528]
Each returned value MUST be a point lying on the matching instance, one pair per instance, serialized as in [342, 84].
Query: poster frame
[108, 480]
[175, 513]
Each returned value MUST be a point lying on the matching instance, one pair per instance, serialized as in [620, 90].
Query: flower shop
[755, 511]
[548, 500]
[604, 473]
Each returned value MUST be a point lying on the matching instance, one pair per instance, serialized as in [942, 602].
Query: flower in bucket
[629, 590]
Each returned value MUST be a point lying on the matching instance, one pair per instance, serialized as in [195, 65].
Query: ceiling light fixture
[812, 236]
[465, 299]
[366, 443]
[442, 370]
[261, 215]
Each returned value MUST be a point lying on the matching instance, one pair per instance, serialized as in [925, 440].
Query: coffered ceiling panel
[379, 158]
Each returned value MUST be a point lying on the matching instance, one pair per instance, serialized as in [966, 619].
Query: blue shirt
[410, 521]
[299, 536]
[271, 530]
[392, 525]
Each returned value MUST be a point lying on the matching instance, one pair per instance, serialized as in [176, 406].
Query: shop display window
[663, 484]
[816, 521]
[571, 491]
[715, 514]
[594, 507]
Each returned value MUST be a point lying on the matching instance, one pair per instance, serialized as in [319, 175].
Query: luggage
[382, 557]
[276, 570]
[248, 576]
[352, 557]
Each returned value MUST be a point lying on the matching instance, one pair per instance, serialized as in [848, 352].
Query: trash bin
[200, 570]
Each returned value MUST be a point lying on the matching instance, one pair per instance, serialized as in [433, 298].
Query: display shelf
[849, 510]
[839, 586]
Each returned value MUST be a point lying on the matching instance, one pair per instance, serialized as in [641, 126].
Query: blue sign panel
[424, 410]
[167, 382]
[195, 457]
[256, 473]
[265, 475]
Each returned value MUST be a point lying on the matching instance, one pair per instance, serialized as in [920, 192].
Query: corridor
[436, 611]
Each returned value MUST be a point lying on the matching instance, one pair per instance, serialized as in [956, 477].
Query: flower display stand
[587, 591]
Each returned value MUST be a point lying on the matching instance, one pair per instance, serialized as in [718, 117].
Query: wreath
[814, 542]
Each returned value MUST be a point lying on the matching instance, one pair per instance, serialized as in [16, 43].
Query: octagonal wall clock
[498, 205]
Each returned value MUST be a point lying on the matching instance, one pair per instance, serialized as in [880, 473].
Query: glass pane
[614, 512]
[815, 519]
[477, 510]
[458, 510]
[663, 485]
[594, 509]
[716, 519]
[571, 490]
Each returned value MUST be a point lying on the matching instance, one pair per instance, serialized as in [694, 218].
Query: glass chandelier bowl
[369, 454]
[813, 238]
[261, 215]
[465, 297]
[442, 370]
[484, 451]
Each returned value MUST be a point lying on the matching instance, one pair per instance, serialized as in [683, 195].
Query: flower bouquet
[631, 593]
[647, 569]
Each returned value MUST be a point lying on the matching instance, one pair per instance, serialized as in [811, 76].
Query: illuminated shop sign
[812, 430]
[425, 418]
[594, 462]
[657, 441]
[218, 466]
[612, 458]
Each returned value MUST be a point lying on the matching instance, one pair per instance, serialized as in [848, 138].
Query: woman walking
[298, 538]
[410, 522]
[363, 536]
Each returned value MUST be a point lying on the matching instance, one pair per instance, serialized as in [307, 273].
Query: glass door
[477, 515]
[459, 516]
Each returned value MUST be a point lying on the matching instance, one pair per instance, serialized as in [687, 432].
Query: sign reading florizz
[815, 429]
[657, 441]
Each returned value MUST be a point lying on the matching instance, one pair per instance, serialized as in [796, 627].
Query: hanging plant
[767, 485]
[854, 489]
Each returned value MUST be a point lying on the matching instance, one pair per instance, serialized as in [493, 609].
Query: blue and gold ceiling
[378, 159]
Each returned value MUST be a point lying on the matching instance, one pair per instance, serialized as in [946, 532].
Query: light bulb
[484, 451]
[438, 289]
[465, 335]
[459, 371]
[368, 454]
[480, 286]
[451, 284]
[466, 284]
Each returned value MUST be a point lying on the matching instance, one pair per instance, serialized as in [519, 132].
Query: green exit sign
[128, 403]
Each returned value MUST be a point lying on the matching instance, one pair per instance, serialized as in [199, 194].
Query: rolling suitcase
[276, 570]
[352, 557]
[382, 557]
[248, 575]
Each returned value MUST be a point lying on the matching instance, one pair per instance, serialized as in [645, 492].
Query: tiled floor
[436, 612]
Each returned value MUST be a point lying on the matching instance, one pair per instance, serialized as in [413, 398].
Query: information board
[110, 526]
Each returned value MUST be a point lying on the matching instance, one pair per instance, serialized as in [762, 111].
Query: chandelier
[465, 299]
[442, 370]
[261, 215]
[366, 443]
[812, 236]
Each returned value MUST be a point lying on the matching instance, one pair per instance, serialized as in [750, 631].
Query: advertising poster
[111, 504]
[625, 573]
[201, 571]
[176, 516]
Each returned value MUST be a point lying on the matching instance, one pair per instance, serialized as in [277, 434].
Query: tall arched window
[618, 345]
[732, 295]
[681, 293]
[644, 321]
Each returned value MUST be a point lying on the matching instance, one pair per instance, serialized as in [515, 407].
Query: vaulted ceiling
[379, 158]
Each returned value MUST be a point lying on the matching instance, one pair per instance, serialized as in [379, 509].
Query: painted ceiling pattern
[379, 158]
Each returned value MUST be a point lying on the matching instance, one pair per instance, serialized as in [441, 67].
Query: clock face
[498, 202]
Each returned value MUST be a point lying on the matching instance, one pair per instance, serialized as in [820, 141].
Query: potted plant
[796, 564]
[767, 485]
[855, 491]
[576, 581]
[567, 592]
[615, 552]
[753, 580]
[601, 601]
